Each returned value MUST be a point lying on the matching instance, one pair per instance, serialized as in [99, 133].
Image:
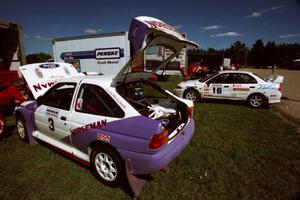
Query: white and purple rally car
[105, 121]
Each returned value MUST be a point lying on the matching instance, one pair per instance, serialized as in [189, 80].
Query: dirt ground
[290, 103]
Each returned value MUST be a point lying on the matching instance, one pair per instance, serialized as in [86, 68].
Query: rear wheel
[257, 100]
[191, 94]
[21, 128]
[106, 165]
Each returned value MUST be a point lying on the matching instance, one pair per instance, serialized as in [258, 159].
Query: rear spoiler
[274, 79]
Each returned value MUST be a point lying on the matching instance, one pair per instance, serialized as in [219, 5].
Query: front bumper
[142, 164]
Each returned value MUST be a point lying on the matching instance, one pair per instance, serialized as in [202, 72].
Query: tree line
[259, 55]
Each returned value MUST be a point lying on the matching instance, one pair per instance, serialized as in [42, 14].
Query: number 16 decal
[218, 90]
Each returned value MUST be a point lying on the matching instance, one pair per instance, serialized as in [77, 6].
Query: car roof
[235, 71]
[91, 79]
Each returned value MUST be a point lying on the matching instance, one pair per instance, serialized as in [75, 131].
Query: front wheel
[106, 165]
[256, 100]
[191, 94]
[21, 128]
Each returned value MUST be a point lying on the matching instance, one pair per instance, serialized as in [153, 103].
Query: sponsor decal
[108, 53]
[89, 127]
[241, 89]
[108, 62]
[42, 86]
[38, 73]
[48, 66]
[237, 85]
[103, 137]
[164, 122]
[266, 87]
[52, 113]
[159, 24]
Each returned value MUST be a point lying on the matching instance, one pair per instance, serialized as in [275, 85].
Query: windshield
[208, 77]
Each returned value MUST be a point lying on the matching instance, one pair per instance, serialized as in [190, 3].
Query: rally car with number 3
[105, 121]
[233, 85]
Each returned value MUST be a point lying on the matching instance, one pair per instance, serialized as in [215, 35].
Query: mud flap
[32, 141]
[136, 184]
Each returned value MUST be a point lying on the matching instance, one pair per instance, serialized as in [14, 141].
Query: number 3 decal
[51, 124]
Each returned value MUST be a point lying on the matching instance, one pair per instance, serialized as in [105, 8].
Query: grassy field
[236, 153]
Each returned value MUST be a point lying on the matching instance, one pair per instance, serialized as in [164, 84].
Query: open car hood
[147, 31]
[42, 76]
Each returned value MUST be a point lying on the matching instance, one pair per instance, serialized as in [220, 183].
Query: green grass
[236, 153]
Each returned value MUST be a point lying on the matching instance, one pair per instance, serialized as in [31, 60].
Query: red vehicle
[9, 95]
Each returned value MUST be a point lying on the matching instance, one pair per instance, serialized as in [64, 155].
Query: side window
[60, 96]
[222, 78]
[94, 100]
[244, 78]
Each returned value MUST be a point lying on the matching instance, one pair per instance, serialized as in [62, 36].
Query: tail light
[280, 87]
[190, 111]
[159, 139]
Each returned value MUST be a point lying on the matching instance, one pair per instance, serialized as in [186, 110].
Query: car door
[94, 109]
[219, 86]
[53, 112]
[243, 85]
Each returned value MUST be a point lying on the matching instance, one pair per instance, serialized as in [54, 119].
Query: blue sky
[210, 23]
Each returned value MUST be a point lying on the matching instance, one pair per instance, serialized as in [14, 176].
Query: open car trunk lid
[42, 76]
[146, 31]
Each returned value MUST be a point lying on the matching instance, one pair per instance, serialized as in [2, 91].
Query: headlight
[178, 87]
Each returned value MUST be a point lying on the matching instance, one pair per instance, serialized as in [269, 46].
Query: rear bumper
[149, 163]
[274, 98]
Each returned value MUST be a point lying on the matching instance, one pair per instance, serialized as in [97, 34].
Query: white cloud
[178, 27]
[227, 34]
[289, 36]
[260, 13]
[38, 37]
[92, 31]
[209, 28]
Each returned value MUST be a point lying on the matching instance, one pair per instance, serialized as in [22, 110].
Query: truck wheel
[21, 128]
[2, 125]
[106, 165]
[256, 100]
[191, 94]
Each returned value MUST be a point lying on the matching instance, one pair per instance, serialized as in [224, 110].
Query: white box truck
[102, 53]
[108, 53]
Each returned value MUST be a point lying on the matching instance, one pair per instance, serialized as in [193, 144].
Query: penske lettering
[89, 127]
[107, 53]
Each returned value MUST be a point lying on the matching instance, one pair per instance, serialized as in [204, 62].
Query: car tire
[21, 128]
[257, 100]
[106, 165]
[191, 94]
[2, 125]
